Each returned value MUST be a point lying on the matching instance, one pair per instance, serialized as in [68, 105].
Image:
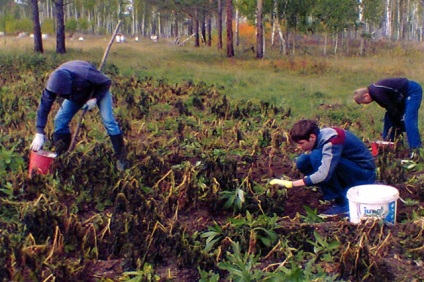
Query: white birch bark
[237, 27]
[388, 20]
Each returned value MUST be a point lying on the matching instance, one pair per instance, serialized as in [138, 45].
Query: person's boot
[119, 148]
[61, 141]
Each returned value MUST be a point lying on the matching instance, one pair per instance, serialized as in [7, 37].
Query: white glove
[90, 104]
[285, 183]
[38, 142]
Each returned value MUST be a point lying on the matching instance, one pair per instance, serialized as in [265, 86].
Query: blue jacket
[336, 143]
[390, 93]
[83, 82]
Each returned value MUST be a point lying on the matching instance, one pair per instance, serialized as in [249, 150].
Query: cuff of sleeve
[307, 181]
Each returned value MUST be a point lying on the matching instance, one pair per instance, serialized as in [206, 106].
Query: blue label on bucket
[387, 212]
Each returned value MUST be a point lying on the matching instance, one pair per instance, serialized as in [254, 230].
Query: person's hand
[38, 142]
[90, 104]
[285, 183]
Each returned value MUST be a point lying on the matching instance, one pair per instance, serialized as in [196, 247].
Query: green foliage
[48, 26]
[233, 199]
[71, 25]
[213, 236]
[24, 25]
[311, 216]
[241, 266]
[193, 150]
[10, 161]
[323, 248]
[208, 276]
[146, 274]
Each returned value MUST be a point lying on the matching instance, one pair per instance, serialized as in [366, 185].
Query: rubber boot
[119, 148]
[61, 141]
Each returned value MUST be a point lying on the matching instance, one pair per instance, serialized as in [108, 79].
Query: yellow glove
[285, 183]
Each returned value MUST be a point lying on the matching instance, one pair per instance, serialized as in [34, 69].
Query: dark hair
[303, 129]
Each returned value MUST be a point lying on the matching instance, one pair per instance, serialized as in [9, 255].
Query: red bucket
[40, 162]
[378, 145]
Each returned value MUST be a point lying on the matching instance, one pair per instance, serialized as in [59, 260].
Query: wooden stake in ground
[102, 63]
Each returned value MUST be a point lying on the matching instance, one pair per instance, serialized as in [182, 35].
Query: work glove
[90, 104]
[38, 142]
[285, 183]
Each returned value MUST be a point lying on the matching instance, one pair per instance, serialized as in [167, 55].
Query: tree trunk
[230, 44]
[237, 26]
[38, 42]
[176, 33]
[203, 27]
[259, 31]
[209, 30]
[196, 30]
[388, 20]
[219, 25]
[60, 28]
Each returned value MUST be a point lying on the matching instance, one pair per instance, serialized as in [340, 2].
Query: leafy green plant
[147, 274]
[213, 236]
[324, 248]
[10, 161]
[294, 272]
[311, 216]
[409, 202]
[241, 266]
[261, 228]
[233, 199]
[209, 276]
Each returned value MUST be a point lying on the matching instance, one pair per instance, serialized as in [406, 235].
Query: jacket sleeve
[46, 103]
[331, 154]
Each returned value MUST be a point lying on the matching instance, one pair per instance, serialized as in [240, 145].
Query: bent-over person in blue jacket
[336, 161]
[82, 86]
[401, 98]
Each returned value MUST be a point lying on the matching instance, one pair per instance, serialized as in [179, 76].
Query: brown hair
[359, 95]
[303, 129]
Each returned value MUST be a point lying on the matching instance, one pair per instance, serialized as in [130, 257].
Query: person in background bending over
[82, 86]
[402, 100]
[336, 161]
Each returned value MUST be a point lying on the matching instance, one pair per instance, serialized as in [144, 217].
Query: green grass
[302, 83]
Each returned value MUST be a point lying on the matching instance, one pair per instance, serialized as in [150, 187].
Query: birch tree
[259, 31]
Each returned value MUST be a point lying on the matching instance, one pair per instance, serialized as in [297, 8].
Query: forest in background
[281, 22]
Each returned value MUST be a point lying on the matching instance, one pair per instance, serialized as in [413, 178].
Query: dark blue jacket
[390, 93]
[86, 82]
[337, 143]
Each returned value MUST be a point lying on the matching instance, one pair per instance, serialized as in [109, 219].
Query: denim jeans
[410, 118]
[68, 109]
[346, 175]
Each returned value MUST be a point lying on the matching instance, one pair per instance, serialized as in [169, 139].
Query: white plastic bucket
[372, 201]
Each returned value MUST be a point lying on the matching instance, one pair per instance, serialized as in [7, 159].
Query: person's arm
[299, 183]
[330, 158]
[46, 103]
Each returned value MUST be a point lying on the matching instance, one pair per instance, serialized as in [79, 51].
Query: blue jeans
[346, 175]
[410, 118]
[68, 109]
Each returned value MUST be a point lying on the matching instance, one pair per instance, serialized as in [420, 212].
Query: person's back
[352, 147]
